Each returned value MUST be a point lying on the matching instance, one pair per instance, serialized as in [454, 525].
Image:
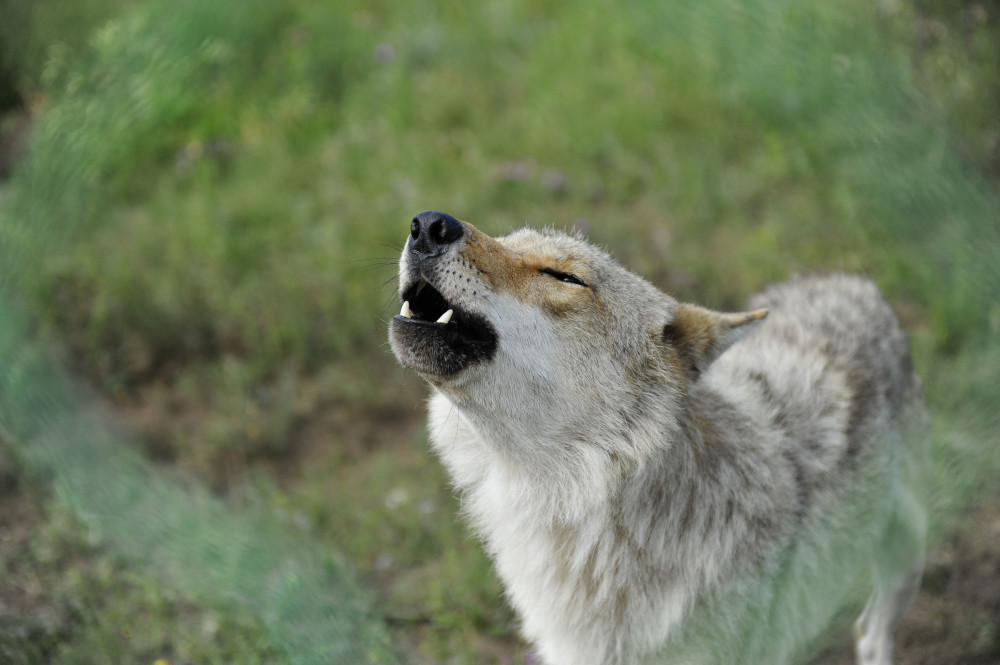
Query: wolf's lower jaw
[444, 347]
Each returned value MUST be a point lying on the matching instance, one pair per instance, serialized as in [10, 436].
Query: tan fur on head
[518, 272]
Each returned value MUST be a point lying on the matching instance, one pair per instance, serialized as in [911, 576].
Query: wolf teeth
[446, 317]
[406, 310]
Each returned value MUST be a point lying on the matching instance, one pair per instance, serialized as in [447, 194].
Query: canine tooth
[446, 317]
[406, 310]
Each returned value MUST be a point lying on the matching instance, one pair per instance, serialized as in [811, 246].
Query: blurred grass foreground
[198, 240]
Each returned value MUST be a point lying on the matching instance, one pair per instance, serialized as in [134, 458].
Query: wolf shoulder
[827, 338]
[844, 312]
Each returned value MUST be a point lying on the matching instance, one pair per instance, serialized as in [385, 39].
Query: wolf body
[657, 482]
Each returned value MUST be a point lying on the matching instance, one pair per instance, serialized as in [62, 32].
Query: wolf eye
[567, 277]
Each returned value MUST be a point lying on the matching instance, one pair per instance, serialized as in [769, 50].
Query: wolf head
[543, 334]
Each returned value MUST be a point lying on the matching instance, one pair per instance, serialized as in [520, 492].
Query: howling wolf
[658, 482]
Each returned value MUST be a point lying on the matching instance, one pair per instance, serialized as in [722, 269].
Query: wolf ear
[701, 335]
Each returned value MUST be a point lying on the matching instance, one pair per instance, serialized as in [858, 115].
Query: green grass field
[199, 242]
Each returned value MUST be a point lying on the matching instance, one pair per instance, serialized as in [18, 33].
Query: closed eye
[567, 277]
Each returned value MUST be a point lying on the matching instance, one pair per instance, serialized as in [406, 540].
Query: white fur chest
[571, 571]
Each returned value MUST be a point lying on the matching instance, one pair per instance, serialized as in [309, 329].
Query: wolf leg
[897, 569]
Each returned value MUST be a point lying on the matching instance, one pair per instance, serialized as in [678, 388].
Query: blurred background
[207, 452]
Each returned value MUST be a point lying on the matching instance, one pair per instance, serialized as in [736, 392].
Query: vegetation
[77, 602]
[206, 222]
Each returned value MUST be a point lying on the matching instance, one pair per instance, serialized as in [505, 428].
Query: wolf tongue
[446, 317]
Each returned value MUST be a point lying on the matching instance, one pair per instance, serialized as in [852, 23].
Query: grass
[246, 560]
[69, 600]
[215, 194]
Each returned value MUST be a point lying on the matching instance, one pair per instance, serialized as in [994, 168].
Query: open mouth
[423, 303]
[437, 337]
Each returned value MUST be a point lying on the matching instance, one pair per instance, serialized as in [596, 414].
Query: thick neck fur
[567, 452]
[579, 532]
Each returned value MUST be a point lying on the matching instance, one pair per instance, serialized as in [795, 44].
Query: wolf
[657, 482]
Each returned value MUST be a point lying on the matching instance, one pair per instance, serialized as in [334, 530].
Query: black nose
[431, 232]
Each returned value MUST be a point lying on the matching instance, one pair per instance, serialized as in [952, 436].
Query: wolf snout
[433, 232]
